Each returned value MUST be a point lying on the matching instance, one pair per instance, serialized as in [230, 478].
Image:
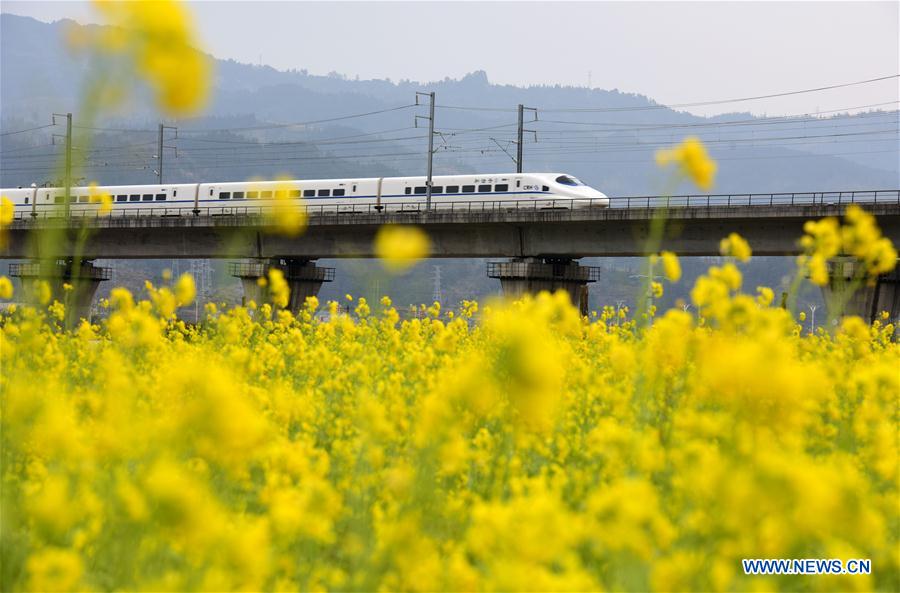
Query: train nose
[600, 197]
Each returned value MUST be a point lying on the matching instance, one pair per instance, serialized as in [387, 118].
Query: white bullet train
[383, 194]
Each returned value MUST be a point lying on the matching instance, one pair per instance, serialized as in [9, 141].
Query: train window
[354, 188]
[265, 194]
[134, 198]
[295, 193]
[408, 190]
[121, 198]
[58, 199]
[309, 193]
[501, 187]
[210, 191]
[174, 192]
[252, 195]
[468, 189]
[545, 188]
[421, 190]
[238, 195]
[83, 199]
[147, 198]
[26, 200]
[452, 189]
[281, 194]
[160, 197]
[484, 188]
[437, 189]
[224, 195]
[73, 199]
[338, 192]
[324, 193]
[568, 180]
[518, 183]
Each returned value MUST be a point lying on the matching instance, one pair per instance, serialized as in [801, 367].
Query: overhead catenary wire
[679, 105]
[399, 156]
[27, 130]
[458, 132]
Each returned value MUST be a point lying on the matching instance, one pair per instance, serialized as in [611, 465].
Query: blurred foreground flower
[278, 288]
[288, 216]
[735, 246]
[6, 288]
[859, 238]
[692, 161]
[157, 37]
[98, 196]
[185, 290]
[862, 239]
[400, 247]
[7, 211]
[671, 266]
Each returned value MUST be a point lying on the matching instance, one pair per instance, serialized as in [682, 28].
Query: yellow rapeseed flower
[279, 290]
[185, 290]
[97, 196]
[691, 160]
[54, 569]
[7, 211]
[861, 238]
[671, 266]
[735, 246]
[765, 295]
[42, 292]
[6, 288]
[399, 246]
[288, 216]
[159, 39]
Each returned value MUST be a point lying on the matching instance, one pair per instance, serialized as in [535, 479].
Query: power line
[254, 128]
[676, 105]
[303, 123]
[27, 130]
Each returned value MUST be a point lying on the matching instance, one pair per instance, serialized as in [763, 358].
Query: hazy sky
[674, 52]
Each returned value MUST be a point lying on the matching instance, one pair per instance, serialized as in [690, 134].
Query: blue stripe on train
[373, 196]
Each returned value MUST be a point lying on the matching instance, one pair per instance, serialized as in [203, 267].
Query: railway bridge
[540, 247]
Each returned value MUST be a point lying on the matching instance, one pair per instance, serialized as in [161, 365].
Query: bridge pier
[83, 280]
[531, 275]
[304, 278]
[868, 301]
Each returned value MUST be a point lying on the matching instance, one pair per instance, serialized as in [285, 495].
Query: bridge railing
[623, 202]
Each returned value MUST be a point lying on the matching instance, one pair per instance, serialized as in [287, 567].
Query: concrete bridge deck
[772, 223]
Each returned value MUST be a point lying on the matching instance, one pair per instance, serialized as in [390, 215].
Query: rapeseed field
[497, 447]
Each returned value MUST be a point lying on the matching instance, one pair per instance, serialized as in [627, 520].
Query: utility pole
[519, 141]
[68, 180]
[430, 119]
[520, 144]
[68, 159]
[160, 148]
[438, 294]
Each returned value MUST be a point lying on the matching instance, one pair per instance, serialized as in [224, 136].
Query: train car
[162, 199]
[379, 194]
[540, 190]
